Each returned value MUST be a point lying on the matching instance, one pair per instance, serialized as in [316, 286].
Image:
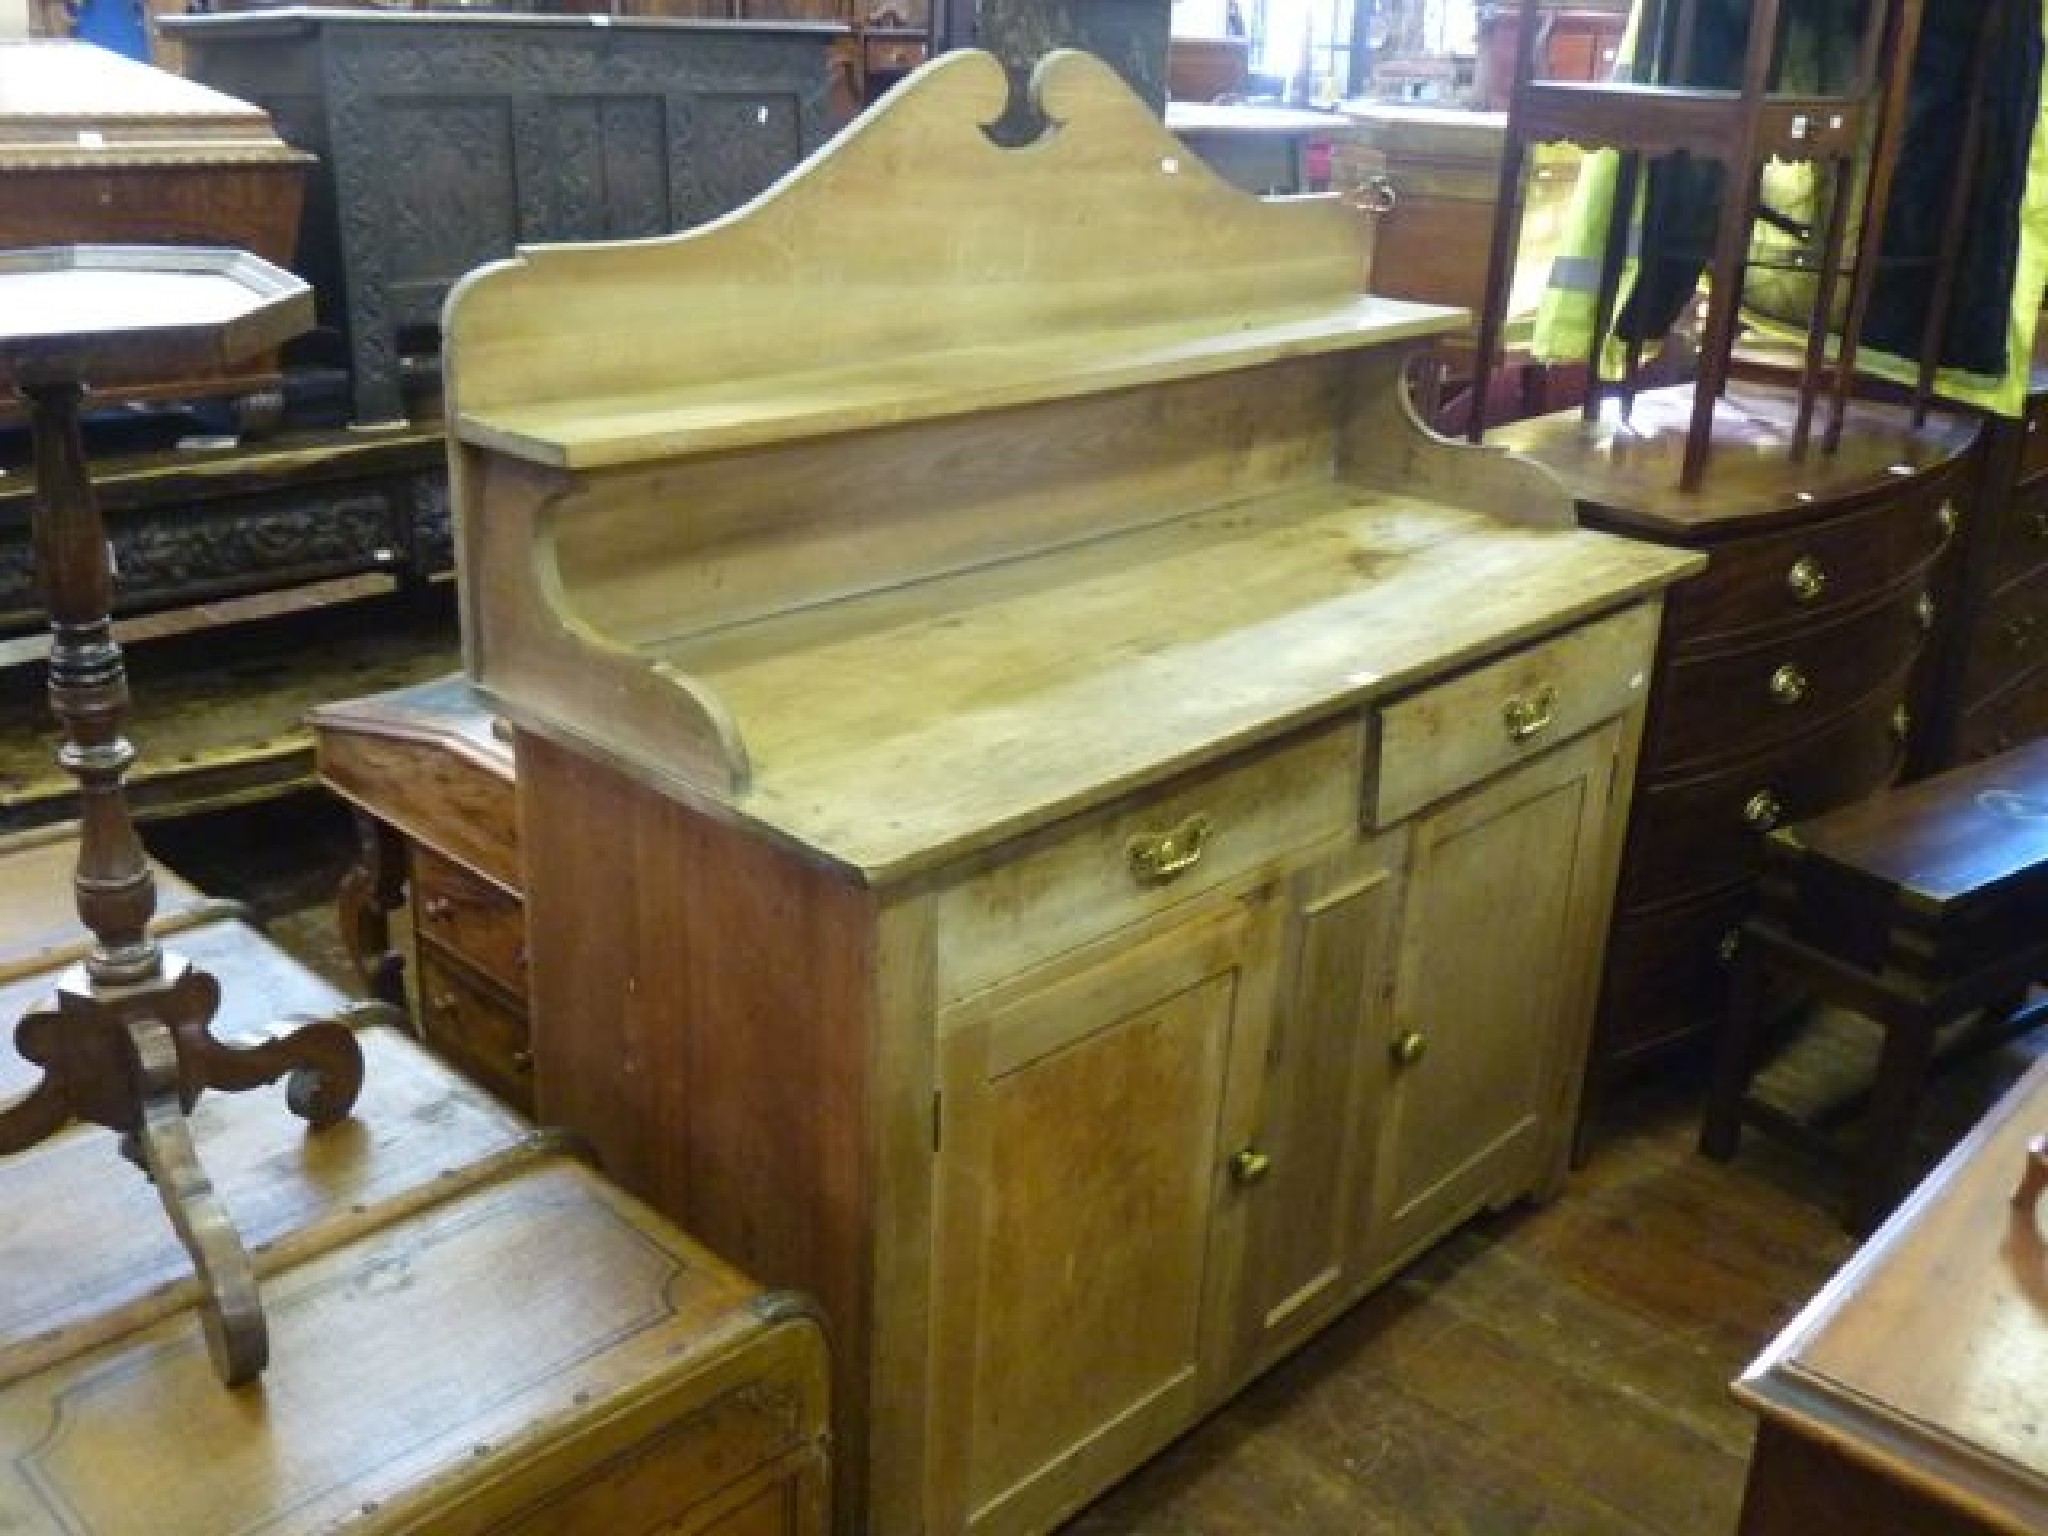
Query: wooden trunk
[98, 149]
[470, 1329]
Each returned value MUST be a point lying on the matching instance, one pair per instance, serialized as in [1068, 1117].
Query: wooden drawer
[479, 1032]
[1694, 834]
[2021, 538]
[2011, 637]
[2017, 713]
[1439, 741]
[474, 917]
[1716, 707]
[1826, 568]
[1667, 976]
[1079, 881]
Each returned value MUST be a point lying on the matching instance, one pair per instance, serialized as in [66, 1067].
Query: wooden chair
[1655, 113]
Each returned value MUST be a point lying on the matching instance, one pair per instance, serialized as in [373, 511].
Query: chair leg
[1879, 1172]
[1735, 1054]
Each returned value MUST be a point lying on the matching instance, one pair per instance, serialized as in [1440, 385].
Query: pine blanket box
[470, 1329]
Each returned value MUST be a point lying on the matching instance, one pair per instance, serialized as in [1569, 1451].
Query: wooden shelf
[715, 416]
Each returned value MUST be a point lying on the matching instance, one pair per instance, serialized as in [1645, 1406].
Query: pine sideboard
[1054, 814]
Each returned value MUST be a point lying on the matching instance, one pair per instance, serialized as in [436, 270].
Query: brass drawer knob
[1806, 580]
[1157, 857]
[2040, 522]
[1528, 715]
[1789, 685]
[1924, 610]
[1375, 195]
[1763, 810]
[1250, 1165]
[1902, 723]
[1409, 1047]
[1946, 517]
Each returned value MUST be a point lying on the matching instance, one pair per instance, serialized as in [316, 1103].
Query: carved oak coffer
[445, 140]
[98, 149]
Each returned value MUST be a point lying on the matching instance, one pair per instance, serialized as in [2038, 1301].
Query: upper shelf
[713, 415]
[882, 282]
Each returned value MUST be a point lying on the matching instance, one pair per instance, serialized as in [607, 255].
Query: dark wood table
[1907, 1398]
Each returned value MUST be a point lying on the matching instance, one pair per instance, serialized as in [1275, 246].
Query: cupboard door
[1083, 1129]
[1305, 1175]
[1500, 937]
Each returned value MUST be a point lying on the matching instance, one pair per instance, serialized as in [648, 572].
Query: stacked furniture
[1008, 786]
[1789, 672]
[445, 139]
[1992, 689]
[96, 148]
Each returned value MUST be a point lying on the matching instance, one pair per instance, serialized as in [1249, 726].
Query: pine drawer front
[624, 1381]
[1076, 882]
[470, 916]
[1446, 738]
[1830, 567]
[474, 1029]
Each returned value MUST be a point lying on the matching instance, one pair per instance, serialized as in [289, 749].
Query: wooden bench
[1915, 907]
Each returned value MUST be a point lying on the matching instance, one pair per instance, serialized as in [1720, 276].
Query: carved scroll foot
[230, 1310]
[135, 1059]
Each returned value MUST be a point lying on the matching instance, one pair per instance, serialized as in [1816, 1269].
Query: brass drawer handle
[1250, 1165]
[1528, 715]
[2040, 522]
[522, 1062]
[447, 1005]
[2019, 633]
[1789, 685]
[1763, 810]
[1924, 610]
[1157, 857]
[1409, 1047]
[1902, 723]
[1729, 947]
[1946, 517]
[1807, 579]
[439, 908]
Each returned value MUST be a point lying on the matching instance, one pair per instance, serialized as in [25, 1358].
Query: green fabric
[1563, 330]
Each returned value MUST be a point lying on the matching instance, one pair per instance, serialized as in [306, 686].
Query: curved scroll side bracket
[1387, 443]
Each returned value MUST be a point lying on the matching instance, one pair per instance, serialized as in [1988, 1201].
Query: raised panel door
[1500, 934]
[1085, 1126]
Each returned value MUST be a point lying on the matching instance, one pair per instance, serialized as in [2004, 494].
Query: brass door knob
[1806, 580]
[1409, 1047]
[1250, 1165]
[1789, 685]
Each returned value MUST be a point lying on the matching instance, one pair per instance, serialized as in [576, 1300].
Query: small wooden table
[1913, 907]
[1906, 1398]
[431, 780]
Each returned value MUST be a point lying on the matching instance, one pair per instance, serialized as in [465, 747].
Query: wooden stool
[1914, 907]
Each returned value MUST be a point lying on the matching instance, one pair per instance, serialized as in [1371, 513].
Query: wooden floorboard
[1556, 1369]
